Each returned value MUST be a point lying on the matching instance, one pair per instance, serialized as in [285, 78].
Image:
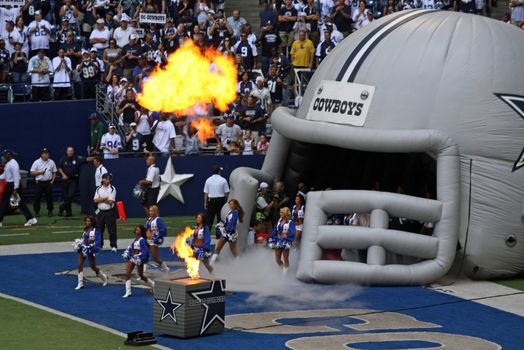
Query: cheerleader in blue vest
[137, 254]
[156, 231]
[200, 241]
[228, 230]
[87, 247]
[282, 237]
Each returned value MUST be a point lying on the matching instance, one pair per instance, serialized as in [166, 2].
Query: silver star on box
[170, 183]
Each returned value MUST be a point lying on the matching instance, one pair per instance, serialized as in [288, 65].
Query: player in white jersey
[111, 143]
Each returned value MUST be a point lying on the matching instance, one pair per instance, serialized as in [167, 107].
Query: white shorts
[299, 227]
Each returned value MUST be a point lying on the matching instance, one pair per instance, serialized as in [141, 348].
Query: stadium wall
[28, 127]
[128, 171]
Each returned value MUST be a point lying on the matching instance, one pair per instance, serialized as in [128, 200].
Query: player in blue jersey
[137, 254]
[156, 232]
[228, 230]
[200, 241]
[282, 237]
[87, 247]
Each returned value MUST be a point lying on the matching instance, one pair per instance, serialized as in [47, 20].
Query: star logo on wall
[170, 183]
[168, 307]
[213, 310]
[517, 104]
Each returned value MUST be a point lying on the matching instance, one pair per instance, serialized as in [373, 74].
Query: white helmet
[414, 95]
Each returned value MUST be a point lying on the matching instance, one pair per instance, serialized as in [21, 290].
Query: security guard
[216, 190]
[13, 186]
[69, 168]
[44, 171]
[104, 199]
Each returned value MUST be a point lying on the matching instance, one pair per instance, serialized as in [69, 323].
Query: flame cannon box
[186, 307]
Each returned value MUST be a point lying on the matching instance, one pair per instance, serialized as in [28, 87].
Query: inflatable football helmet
[414, 96]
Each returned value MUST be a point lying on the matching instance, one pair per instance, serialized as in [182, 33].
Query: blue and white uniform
[298, 216]
[199, 234]
[283, 235]
[158, 229]
[90, 242]
[229, 232]
[137, 252]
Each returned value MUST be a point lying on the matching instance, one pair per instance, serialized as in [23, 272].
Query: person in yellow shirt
[302, 52]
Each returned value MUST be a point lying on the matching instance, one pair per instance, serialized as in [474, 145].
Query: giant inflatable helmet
[443, 84]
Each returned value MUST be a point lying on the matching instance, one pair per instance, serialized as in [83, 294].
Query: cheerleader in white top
[282, 237]
[297, 213]
[87, 247]
[137, 254]
[228, 231]
[200, 241]
[156, 231]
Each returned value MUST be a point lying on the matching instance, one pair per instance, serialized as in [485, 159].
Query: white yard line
[65, 231]
[14, 234]
[74, 318]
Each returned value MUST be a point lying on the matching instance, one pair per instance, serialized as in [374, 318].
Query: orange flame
[205, 128]
[190, 77]
[185, 252]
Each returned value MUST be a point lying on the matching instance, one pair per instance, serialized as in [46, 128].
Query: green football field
[26, 327]
[62, 229]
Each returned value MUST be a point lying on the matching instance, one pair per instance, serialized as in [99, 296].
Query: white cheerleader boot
[103, 277]
[151, 283]
[80, 281]
[165, 268]
[128, 289]
[213, 259]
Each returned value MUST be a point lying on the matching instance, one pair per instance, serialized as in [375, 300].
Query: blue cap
[93, 115]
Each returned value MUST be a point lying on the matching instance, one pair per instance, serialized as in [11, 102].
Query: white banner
[152, 18]
[12, 2]
[341, 103]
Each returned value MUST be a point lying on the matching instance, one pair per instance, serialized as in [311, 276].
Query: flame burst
[205, 128]
[191, 77]
[185, 252]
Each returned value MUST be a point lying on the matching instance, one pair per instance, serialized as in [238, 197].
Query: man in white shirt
[122, 33]
[262, 94]
[111, 143]
[61, 81]
[39, 33]
[216, 190]
[13, 187]
[104, 199]
[100, 170]
[228, 132]
[11, 37]
[164, 134]
[99, 37]
[44, 170]
[152, 183]
[40, 67]
[8, 13]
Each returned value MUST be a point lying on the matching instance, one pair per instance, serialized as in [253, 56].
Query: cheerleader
[228, 230]
[200, 241]
[137, 254]
[298, 215]
[87, 247]
[156, 230]
[282, 237]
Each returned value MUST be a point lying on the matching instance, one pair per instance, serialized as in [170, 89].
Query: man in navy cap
[14, 188]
